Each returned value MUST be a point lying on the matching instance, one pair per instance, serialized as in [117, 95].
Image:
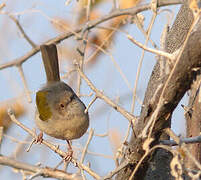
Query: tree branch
[51, 146]
[91, 24]
[45, 172]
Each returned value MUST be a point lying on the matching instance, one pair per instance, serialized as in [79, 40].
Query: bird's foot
[69, 156]
[39, 138]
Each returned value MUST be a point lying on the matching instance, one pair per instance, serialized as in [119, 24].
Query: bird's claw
[69, 156]
[39, 138]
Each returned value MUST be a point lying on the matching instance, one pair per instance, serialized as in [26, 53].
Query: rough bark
[193, 122]
[177, 83]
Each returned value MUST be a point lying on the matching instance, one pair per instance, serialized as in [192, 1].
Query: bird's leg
[39, 138]
[69, 154]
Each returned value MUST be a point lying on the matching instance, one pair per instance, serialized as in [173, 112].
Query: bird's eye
[62, 105]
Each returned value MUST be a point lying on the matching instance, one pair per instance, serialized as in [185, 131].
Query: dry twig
[51, 146]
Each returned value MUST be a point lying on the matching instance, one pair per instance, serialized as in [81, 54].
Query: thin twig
[140, 62]
[91, 133]
[2, 5]
[115, 5]
[16, 140]
[51, 146]
[117, 13]
[158, 52]
[37, 174]
[116, 170]
[88, 10]
[116, 65]
[154, 5]
[145, 33]
[22, 30]
[20, 146]
[1, 136]
[82, 53]
[45, 172]
[89, 105]
[100, 95]
[183, 146]
[100, 155]
[20, 69]
[67, 74]
[191, 140]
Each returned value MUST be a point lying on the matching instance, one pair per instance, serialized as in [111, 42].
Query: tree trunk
[178, 81]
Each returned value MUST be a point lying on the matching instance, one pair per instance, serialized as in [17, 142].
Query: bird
[60, 113]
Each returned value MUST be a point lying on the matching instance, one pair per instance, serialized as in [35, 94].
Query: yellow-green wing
[42, 105]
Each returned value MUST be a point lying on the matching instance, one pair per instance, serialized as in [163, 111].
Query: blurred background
[112, 68]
